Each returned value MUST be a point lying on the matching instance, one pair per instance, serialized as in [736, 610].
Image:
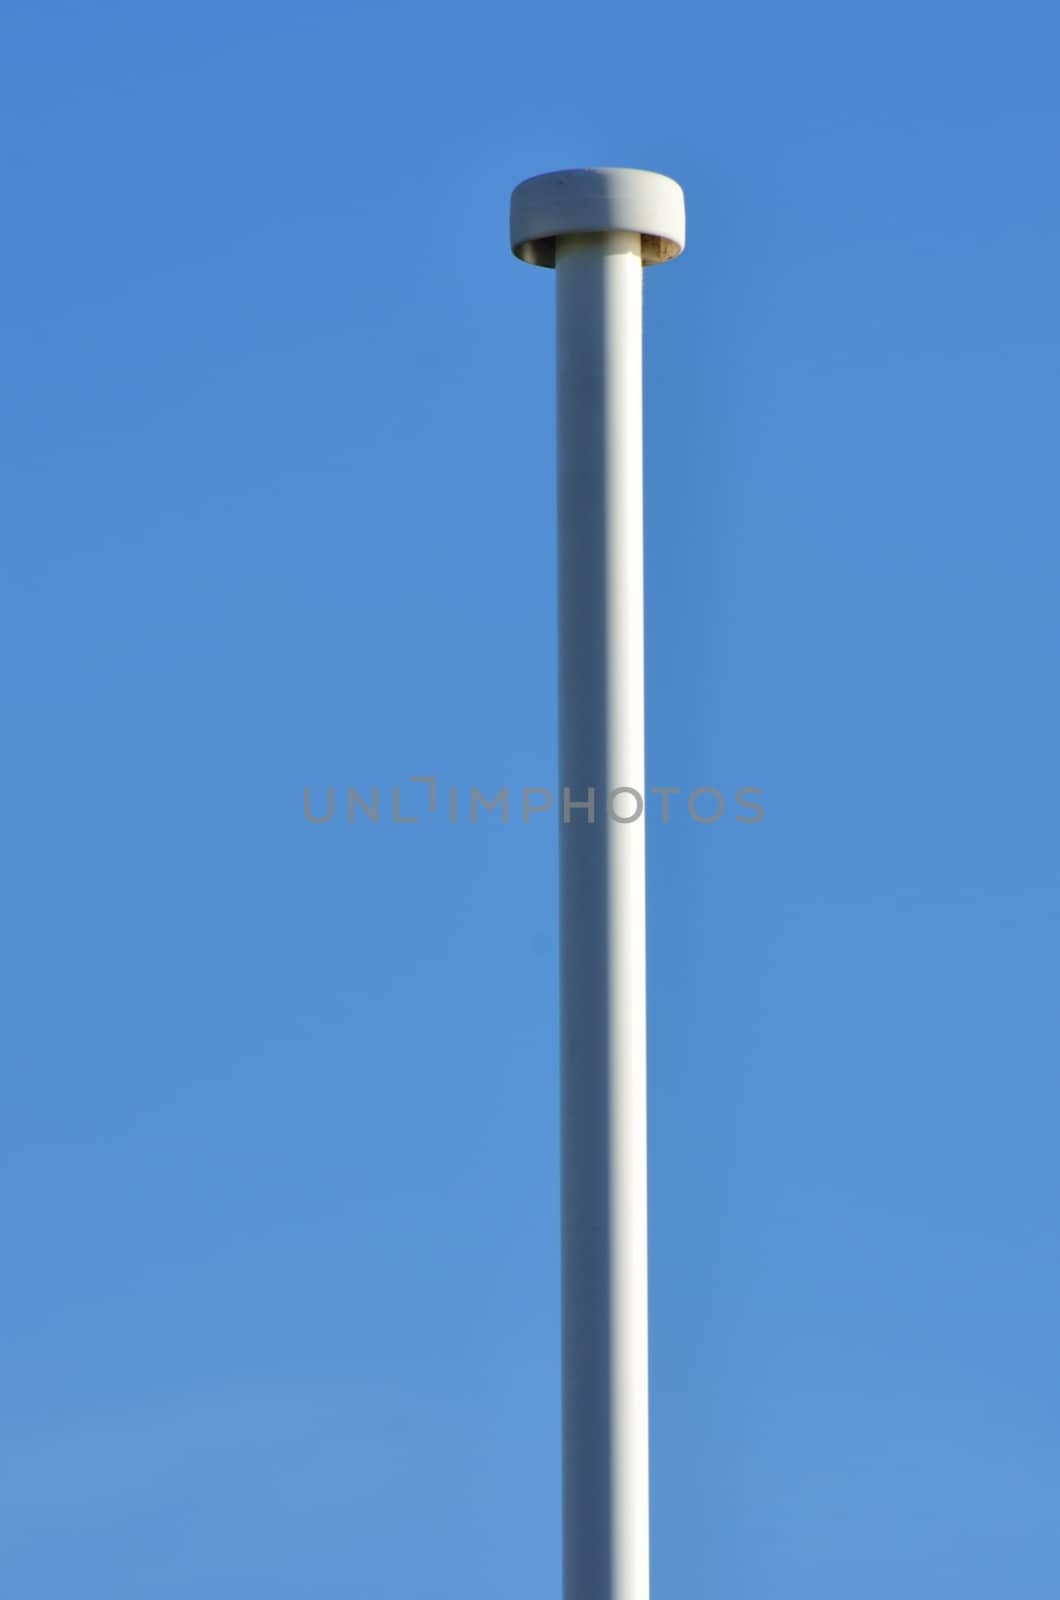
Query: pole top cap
[598, 200]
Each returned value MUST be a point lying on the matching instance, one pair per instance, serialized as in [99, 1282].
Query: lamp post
[599, 227]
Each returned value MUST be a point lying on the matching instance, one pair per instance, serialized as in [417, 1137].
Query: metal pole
[599, 227]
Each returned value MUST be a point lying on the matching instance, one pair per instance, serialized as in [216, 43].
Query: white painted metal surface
[598, 227]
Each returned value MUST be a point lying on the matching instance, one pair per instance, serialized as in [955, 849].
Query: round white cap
[598, 200]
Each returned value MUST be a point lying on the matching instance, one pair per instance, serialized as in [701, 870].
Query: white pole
[599, 227]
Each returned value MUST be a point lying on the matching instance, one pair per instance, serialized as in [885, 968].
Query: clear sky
[279, 1113]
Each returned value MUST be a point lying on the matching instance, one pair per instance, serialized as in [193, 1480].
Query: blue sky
[279, 1108]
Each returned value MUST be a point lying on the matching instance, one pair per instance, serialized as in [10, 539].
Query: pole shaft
[602, 897]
